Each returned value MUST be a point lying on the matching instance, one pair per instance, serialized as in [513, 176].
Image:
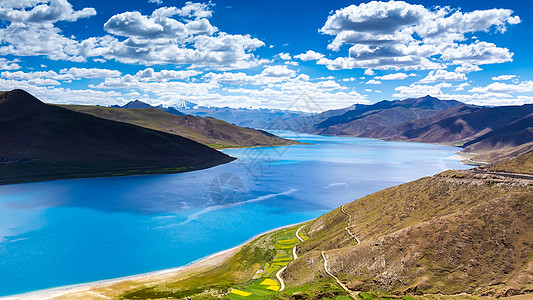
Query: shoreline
[73, 289]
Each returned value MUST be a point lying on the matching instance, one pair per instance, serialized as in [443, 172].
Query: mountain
[420, 130]
[208, 131]
[136, 104]
[180, 103]
[365, 120]
[262, 118]
[515, 133]
[45, 142]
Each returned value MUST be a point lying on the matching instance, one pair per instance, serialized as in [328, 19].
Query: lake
[73, 231]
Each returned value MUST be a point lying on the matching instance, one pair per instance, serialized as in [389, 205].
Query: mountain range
[486, 134]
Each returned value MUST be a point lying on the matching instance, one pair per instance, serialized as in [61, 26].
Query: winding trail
[295, 256]
[505, 174]
[278, 275]
[349, 225]
[335, 277]
[298, 233]
[323, 253]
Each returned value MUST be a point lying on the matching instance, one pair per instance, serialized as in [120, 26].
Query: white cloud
[503, 77]
[52, 78]
[443, 75]
[372, 81]
[90, 73]
[394, 76]
[45, 12]
[369, 72]
[398, 35]
[9, 65]
[309, 55]
[169, 35]
[462, 86]
[285, 56]
[158, 2]
[467, 69]
[269, 75]
[500, 87]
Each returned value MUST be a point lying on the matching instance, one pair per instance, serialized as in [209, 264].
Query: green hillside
[208, 131]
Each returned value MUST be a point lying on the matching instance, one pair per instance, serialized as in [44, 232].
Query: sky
[267, 54]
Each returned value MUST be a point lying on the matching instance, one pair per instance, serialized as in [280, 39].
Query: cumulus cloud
[309, 55]
[9, 64]
[31, 30]
[399, 35]
[394, 76]
[373, 81]
[443, 75]
[503, 77]
[78, 73]
[285, 56]
[50, 77]
[169, 35]
[269, 75]
[42, 11]
[500, 87]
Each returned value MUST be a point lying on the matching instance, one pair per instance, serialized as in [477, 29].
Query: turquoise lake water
[74, 231]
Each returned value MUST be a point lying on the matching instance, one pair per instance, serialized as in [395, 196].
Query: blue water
[74, 231]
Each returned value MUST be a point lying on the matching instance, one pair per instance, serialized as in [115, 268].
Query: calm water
[73, 231]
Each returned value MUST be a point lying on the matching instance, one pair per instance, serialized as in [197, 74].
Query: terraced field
[265, 283]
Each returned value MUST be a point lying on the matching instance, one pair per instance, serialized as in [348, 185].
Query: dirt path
[294, 255]
[349, 225]
[281, 283]
[510, 175]
[352, 294]
[298, 234]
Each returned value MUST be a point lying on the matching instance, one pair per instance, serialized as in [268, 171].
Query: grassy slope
[46, 142]
[522, 164]
[208, 131]
[451, 233]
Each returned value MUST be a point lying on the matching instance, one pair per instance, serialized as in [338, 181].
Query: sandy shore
[108, 289]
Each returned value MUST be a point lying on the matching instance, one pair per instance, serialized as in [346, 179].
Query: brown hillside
[455, 232]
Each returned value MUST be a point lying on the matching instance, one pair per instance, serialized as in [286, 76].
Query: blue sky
[267, 54]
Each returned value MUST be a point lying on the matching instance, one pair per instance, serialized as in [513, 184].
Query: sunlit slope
[455, 232]
[208, 131]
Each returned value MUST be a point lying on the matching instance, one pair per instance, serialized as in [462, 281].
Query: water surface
[74, 231]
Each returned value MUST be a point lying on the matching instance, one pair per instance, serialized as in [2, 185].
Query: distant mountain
[136, 104]
[208, 131]
[255, 118]
[45, 142]
[486, 133]
[180, 103]
[365, 120]
[418, 131]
